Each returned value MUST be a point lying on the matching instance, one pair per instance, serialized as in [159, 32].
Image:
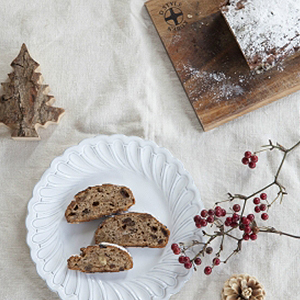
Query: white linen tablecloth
[107, 67]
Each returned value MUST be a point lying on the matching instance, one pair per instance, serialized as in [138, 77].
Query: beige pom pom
[243, 287]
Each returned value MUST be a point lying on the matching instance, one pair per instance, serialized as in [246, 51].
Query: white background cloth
[106, 65]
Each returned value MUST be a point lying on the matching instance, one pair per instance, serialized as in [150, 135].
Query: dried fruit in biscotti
[98, 201]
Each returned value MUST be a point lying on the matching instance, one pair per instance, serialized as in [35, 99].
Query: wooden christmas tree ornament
[25, 105]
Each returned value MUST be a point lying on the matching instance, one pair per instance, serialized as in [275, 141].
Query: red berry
[223, 212]
[263, 207]
[236, 207]
[181, 259]
[227, 223]
[253, 236]
[263, 196]
[218, 213]
[246, 237]
[218, 208]
[197, 219]
[254, 158]
[245, 160]
[257, 209]
[247, 154]
[210, 219]
[207, 270]
[216, 261]
[256, 200]
[203, 222]
[265, 216]
[246, 222]
[187, 259]
[188, 265]
[234, 224]
[251, 217]
[252, 165]
[247, 229]
[229, 219]
[198, 261]
[198, 225]
[173, 246]
[204, 213]
[177, 251]
[235, 217]
[211, 212]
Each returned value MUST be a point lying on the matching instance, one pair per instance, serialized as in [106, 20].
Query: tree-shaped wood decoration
[25, 105]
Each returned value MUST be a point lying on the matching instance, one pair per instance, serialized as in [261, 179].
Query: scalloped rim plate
[161, 186]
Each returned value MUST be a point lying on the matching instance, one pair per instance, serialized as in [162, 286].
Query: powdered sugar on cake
[267, 30]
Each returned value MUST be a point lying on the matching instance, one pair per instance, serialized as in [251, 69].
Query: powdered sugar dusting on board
[266, 30]
[220, 85]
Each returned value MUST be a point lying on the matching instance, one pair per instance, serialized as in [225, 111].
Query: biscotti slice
[98, 201]
[266, 31]
[101, 258]
[133, 230]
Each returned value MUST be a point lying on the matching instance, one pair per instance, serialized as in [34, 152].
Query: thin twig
[273, 230]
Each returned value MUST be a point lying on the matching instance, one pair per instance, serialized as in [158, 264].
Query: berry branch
[234, 224]
[273, 230]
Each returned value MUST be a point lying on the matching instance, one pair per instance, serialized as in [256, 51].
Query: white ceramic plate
[161, 186]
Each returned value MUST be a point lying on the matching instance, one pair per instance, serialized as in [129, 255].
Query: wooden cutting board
[210, 65]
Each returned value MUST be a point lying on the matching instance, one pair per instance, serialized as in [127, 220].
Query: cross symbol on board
[174, 16]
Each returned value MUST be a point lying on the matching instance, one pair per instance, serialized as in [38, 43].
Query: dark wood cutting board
[210, 65]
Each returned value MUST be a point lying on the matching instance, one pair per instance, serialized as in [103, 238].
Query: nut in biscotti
[133, 230]
[101, 258]
[98, 201]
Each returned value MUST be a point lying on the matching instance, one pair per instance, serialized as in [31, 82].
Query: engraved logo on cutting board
[173, 15]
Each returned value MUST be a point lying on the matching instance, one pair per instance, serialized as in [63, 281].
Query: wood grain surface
[210, 65]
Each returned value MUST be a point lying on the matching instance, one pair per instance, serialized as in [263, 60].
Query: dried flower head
[243, 287]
